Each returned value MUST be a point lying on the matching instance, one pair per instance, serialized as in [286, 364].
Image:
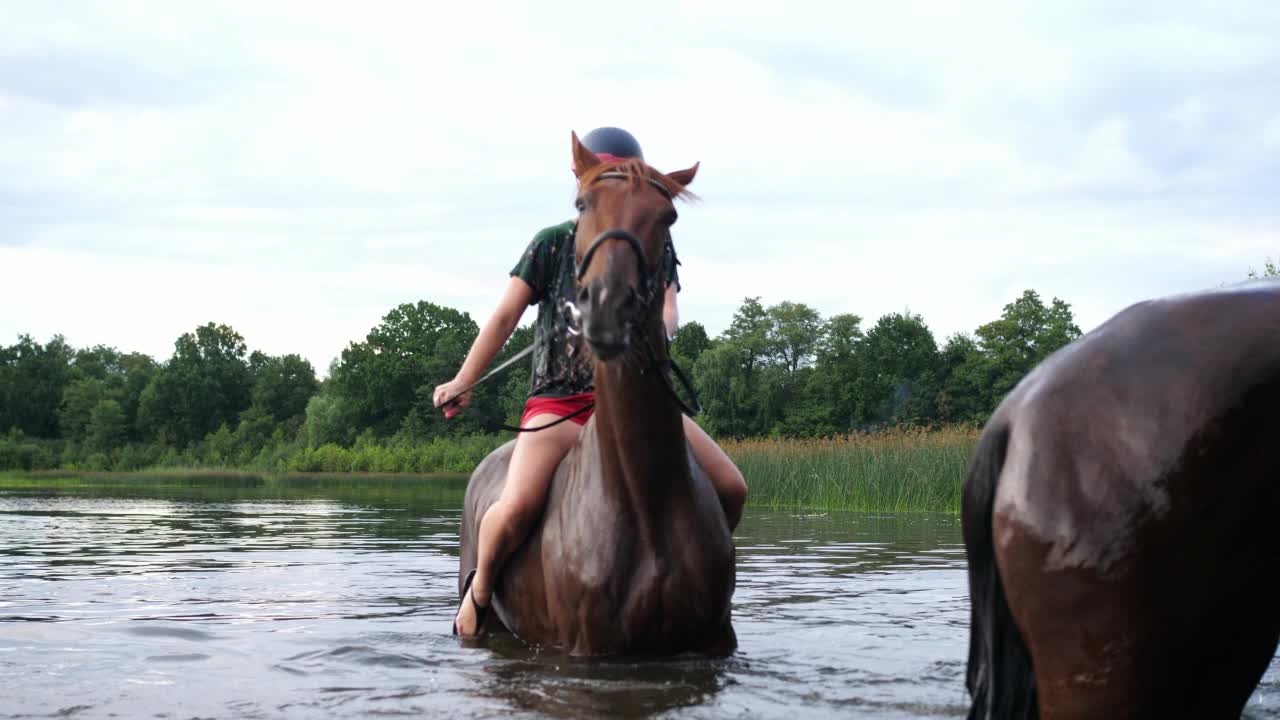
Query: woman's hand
[446, 392]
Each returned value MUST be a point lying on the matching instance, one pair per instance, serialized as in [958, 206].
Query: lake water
[247, 602]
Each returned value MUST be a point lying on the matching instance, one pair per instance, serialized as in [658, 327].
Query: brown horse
[633, 553]
[1118, 518]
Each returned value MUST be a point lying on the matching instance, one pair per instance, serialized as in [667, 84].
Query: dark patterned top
[562, 362]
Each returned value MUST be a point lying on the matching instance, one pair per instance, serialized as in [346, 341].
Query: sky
[297, 169]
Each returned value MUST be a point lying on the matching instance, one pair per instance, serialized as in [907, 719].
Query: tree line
[785, 371]
[782, 370]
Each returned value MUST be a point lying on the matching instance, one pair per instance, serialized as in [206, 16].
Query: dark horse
[633, 554]
[1119, 518]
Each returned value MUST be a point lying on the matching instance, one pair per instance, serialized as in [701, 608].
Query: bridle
[648, 286]
[645, 300]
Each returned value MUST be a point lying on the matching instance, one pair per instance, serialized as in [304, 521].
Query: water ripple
[183, 607]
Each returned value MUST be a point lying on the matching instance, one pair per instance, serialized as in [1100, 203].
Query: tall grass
[887, 471]
[438, 455]
[890, 471]
[221, 451]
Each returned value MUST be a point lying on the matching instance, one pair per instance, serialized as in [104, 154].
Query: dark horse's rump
[1118, 518]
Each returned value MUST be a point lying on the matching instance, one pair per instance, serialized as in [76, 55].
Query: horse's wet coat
[1118, 506]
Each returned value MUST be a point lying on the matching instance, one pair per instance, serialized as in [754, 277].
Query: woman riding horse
[563, 384]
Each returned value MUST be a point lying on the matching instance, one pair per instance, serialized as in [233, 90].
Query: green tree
[832, 388]
[690, 342]
[138, 371]
[33, 378]
[794, 334]
[257, 425]
[897, 365]
[79, 399]
[204, 385]
[283, 385]
[220, 446]
[414, 348]
[99, 373]
[965, 392]
[721, 383]
[748, 332]
[738, 378]
[1027, 332]
[107, 427]
[99, 362]
[327, 421]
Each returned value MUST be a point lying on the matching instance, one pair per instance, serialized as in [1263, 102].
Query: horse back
[1124, 410]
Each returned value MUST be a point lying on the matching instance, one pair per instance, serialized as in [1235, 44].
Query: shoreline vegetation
[820, 412]
[897, 470]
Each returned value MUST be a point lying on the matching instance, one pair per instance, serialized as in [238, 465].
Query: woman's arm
[495, 332]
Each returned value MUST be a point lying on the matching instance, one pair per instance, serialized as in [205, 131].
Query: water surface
[250, 602]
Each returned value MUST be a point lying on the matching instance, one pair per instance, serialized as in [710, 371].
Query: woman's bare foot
[472, 613]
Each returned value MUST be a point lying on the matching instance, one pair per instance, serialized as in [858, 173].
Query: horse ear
[685, 177]
[583, 159]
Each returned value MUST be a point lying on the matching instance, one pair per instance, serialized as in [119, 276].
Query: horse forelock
[638, 171]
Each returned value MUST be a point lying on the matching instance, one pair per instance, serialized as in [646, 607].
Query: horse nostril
[631, 300]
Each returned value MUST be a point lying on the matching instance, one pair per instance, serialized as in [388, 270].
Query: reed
[888, 471]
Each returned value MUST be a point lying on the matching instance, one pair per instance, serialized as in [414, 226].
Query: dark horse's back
[593, 578]
[1118, 518]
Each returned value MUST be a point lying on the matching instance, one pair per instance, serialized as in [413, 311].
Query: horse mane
[637, 170]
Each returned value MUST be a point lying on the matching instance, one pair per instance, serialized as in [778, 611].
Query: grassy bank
[274, 456]
[892, 471]
[224, 485]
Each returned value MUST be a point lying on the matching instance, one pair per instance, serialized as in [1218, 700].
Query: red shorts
[560, 407]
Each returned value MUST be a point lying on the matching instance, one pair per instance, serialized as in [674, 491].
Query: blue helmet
[612, 143]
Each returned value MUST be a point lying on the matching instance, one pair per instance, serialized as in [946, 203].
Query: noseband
[648, 287]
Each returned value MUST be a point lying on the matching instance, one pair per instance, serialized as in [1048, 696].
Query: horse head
[625, 212]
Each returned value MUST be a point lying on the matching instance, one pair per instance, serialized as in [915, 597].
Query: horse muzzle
[609, 313]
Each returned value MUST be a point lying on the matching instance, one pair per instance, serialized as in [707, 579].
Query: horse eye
[580, 204]
[672, 217]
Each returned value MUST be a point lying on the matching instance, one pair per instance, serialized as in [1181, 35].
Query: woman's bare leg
[725, 476]
[506, 523]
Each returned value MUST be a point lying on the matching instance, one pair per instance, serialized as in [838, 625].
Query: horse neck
[640, 431]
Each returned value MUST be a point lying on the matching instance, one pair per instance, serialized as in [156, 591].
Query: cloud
[297, 169]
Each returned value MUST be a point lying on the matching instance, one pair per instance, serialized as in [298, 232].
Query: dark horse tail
[999, 677]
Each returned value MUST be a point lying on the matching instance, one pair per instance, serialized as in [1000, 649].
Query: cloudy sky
[295, 170]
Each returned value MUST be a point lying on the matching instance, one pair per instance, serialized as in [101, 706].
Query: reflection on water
[248, 601]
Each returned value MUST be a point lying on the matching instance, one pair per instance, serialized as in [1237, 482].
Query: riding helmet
[612, 142]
